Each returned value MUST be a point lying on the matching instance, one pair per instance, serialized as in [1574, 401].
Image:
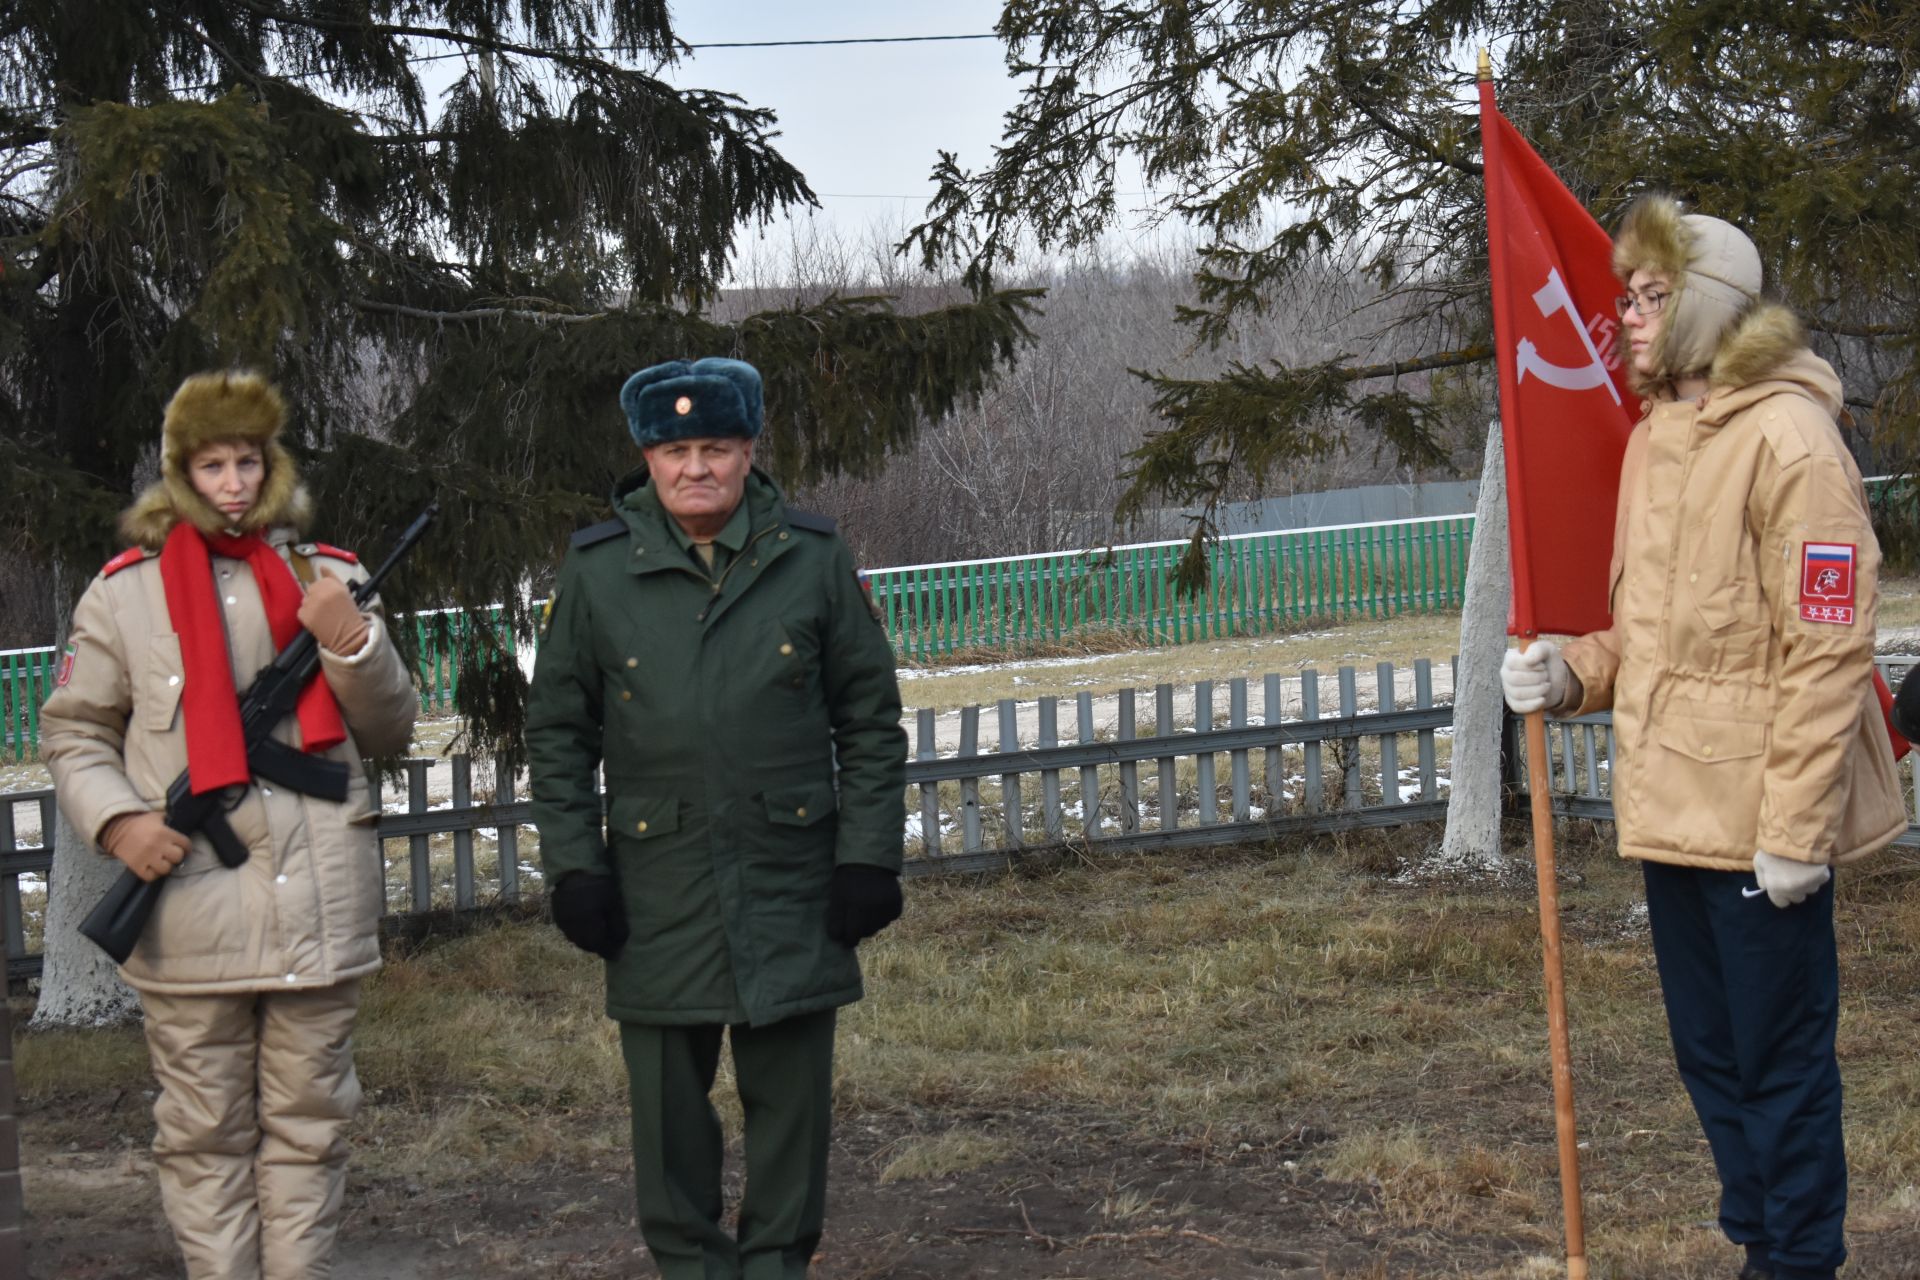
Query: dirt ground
[1079, 1201]
[1082, 1198]
[1210, 1065]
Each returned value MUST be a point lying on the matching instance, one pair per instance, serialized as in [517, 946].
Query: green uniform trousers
[785, 1076]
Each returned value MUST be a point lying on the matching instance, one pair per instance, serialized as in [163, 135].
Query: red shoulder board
[338, 553]
[132, 555]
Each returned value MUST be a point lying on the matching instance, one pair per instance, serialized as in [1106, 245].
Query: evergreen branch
[464, 39]
[1438, 360]
[1418, 144]
[8, 176]
[28, 136]
[471, 315]
[240, 68]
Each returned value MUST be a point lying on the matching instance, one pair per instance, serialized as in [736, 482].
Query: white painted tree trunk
[79, 986]
[1472, 841]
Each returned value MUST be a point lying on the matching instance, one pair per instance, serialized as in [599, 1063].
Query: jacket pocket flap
[643, 817]
[799, 806]
[158, 695]
[1697, 733]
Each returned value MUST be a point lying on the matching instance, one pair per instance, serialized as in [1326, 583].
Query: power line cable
[751, 44]
[777, 44]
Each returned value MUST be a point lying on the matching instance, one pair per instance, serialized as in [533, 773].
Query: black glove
[862, 900]
[588, 909]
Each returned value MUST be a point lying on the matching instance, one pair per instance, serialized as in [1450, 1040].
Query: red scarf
[209, 703]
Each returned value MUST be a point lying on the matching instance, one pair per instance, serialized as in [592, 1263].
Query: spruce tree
[1293, 133]
[450, 287]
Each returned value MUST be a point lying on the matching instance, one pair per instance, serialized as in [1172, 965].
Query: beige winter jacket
[304, 910]
[1743, 707]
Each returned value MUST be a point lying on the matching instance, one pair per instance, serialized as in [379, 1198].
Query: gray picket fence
[1112, 773]
[1580, 754]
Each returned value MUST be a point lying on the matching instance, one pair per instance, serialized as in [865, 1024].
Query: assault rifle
[116, 920]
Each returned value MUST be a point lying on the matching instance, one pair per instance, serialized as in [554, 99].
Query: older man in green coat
[714, 651]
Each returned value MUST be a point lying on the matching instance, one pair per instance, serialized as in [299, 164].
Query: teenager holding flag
[1751, 752]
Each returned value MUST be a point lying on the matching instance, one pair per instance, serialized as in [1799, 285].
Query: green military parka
[719, 707]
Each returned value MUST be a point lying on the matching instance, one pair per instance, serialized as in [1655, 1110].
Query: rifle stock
[118, 919]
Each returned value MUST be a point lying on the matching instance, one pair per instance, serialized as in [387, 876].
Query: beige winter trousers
[256, 1090]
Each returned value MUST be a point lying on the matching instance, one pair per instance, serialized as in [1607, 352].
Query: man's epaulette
[132, 555]
[597, 533]
[326, 549]
[812, 521]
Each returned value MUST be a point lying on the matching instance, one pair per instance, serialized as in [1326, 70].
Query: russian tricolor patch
[1826, 582]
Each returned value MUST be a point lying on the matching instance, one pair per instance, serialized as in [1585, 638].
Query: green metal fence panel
[26, 678]
[1257, 582]
[442, 636]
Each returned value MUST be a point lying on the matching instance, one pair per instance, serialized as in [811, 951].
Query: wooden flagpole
[1538, 787]
[1562, 1052]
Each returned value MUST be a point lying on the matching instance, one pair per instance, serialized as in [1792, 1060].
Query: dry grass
[1271, 996]
[955, 1151]
[1899, 605]
[1285, 999]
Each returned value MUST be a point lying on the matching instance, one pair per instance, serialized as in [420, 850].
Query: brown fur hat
[1714, 273]
[236, 407]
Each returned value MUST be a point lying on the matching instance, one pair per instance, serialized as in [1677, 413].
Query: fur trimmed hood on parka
[1715, 324]
[218, 408]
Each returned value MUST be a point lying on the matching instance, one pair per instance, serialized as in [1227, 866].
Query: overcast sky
[863, 122]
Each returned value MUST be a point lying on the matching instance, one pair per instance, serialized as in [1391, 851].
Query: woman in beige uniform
[248, 976]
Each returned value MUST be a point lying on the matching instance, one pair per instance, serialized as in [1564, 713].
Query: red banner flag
[1565, 407]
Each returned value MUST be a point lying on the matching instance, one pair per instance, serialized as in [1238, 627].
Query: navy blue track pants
[1753, 1001]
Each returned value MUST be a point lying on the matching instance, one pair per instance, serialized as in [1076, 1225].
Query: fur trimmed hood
[1761, 342]
[218, 408]
[1714, 274]
[1781, 369]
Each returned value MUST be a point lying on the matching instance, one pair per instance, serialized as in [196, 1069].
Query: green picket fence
[26, 678]
[1257, 582]
[440, 637]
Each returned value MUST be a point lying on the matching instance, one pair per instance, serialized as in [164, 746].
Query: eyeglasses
[1647, 303]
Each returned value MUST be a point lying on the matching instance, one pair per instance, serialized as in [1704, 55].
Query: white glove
[1534, 677]
[1787, 881]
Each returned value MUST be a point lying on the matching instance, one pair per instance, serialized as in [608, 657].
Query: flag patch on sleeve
[65, 671]
[1826, 582]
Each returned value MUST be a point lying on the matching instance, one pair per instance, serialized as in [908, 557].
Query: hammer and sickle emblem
[1551, 298]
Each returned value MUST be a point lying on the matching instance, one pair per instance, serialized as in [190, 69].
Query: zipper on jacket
[719, 583]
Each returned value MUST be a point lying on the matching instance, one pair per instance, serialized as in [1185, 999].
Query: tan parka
[1743, 720]
[304, 910]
